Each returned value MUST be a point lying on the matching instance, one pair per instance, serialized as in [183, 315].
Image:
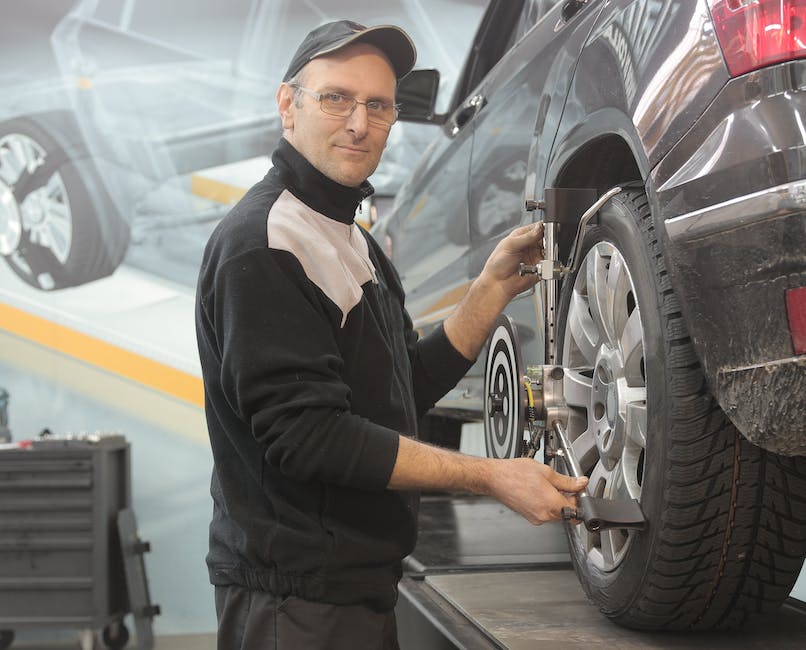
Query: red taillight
[796, 311]
[756, 33]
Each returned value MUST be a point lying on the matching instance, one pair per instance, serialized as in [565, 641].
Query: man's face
[345, 149]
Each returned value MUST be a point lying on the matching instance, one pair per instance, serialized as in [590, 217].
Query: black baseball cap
[330, 37]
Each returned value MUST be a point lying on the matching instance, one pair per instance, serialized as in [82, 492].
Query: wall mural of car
[680, 334]
[151, 92]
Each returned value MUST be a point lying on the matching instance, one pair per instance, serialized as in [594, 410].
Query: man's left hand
[499, 282]
[523, 245]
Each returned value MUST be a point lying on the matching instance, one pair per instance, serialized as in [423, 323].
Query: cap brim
[390, 40]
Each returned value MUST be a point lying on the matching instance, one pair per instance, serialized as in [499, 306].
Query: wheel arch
[599, 161]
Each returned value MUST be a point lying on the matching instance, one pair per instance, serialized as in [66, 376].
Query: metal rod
[586, 217]
[550, 292]
[571, 461]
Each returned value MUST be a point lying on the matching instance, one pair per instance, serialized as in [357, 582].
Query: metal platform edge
[427, 621]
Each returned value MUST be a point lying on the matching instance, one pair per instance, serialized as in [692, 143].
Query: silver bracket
[551, 269]
[545, 270]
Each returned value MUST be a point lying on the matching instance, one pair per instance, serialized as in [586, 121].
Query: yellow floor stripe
[150, 373]
[215, 190]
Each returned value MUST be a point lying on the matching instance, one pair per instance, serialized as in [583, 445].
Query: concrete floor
[547, 609]
[168, 642]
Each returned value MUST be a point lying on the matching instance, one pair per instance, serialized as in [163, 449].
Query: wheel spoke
[608, 548]
[59, 238]
[631, 345]
[584, 331]
[584, 447]
[622, 484]
[48, 218]
[10, 166]
[635, 417]
[599, 298]
[577, 388]
[25, 153]
[618, 289]
[599, 478]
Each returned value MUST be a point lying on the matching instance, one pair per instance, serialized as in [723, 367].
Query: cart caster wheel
[6, 639]
[116, 635]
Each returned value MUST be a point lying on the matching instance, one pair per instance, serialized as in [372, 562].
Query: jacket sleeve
[436, 368]
[281, 374]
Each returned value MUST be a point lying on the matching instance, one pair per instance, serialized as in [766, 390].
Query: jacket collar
[313, 188]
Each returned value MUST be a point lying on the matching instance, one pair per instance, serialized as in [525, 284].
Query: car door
[522, 96]
[427, 233]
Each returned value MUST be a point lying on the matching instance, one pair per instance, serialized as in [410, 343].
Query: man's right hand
[533, 489]
[524, 485]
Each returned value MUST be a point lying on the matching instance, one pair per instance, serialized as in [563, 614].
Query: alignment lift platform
[482, 577]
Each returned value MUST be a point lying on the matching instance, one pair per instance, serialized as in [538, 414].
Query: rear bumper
[734, 219]
[766, 403]
[734, 264]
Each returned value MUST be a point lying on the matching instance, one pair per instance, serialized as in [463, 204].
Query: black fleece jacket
[311, 369]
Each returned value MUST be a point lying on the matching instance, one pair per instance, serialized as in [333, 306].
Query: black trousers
[256, 620]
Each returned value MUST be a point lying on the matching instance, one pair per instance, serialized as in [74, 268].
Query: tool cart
[69, 552]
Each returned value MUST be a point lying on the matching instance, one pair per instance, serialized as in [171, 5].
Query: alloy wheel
[605, 388]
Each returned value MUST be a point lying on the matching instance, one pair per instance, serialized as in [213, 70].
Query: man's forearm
[420, 466]
[468, 327]
[528, 487]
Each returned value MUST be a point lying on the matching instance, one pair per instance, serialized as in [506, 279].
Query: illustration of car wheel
[58, 226]
[726, 531]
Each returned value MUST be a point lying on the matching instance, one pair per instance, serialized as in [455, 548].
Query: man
[315, 381]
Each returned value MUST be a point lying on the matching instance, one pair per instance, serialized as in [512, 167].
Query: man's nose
[357, 121]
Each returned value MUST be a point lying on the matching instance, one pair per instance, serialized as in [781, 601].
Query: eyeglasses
[378, 112]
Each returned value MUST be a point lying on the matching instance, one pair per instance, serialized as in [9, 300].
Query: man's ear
[286, 106]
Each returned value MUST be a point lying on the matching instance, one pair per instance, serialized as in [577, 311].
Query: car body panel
[662, 66]
[732, 197]
[638, 92]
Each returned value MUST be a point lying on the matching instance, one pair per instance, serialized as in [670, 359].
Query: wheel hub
[606, 406]
[34, 211]
[10, 221]
[44, 212]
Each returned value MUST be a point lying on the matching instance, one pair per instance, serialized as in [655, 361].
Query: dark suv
[677, 337]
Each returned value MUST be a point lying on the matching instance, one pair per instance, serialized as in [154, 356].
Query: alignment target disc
[504, 394]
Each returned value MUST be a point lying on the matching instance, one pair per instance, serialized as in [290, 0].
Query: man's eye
[336, 98]
[375, 105]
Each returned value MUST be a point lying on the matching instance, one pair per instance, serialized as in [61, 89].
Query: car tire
[726, 521]
[58, 225]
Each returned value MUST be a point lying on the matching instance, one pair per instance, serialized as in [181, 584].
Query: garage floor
[531, 610]
[184, 642]
[483, 578]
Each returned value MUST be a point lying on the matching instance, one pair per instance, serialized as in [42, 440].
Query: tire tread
[732, 536]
